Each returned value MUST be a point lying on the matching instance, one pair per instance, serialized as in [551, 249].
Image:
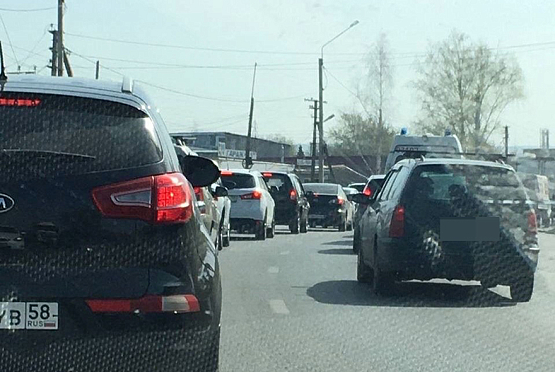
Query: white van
[405, 146]
[538, 191]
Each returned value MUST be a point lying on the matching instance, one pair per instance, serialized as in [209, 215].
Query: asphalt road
[292, 303]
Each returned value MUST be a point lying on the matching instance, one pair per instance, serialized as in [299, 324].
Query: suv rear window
[238, 181]
[280, 184]
[486, 183]
[321, 188]
[111, 135]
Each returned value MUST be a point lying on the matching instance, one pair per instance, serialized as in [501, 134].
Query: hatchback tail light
[340, 201]
[165, 198]
[256, 195]
[532, 222]
[397, 226]
[148, 304]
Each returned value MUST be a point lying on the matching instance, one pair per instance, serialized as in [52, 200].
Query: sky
[198, 56]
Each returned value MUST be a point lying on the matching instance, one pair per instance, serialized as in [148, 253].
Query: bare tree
[374, 92]
[465, 87]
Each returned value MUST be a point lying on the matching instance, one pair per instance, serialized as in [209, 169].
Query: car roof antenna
[3, 77]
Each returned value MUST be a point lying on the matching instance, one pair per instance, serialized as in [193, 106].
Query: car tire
[382, 283]
[343, 225]
[350, 226]
[304, 226]
[219, 240]
[356, 241]
[227, 237]
[295, 225]
[261, 230]
[521, 291]
[271, 230]
[365, 273]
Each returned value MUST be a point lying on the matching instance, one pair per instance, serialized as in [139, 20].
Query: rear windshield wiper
[46, 153]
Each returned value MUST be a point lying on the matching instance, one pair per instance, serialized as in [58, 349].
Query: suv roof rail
[127, 85]
[420, 154]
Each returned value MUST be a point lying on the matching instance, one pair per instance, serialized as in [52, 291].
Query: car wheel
[382, 283]
[272, 230]
[522, 290]
[261, 230]
[350, 226]
[364, 272]
[356, 241]
[343, 225]
[295, 224]
[304, 226]
[219, 240]
[227, 237]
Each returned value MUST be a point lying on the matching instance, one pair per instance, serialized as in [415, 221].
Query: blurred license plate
[318, 216]
[29, 315]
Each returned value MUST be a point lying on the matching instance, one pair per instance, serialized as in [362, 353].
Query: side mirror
[199, 171]
[360, 198]
[220, 191]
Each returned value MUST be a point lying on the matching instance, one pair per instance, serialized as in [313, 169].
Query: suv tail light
[253, 195]
[293, 195]
[532, 222]
[397, 226]
[148, 304]
[158, 199]
[367, 191]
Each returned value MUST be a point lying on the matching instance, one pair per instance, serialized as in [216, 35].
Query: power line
[27, 10]
[9, 39]
[224, 50]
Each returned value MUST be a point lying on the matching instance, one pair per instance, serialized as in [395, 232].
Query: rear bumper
[409, 262]
[247, 209]
[326, 217]
[244, 225]
[150, 350]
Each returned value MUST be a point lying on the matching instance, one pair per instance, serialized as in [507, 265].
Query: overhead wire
[28, 10]
[9, 39]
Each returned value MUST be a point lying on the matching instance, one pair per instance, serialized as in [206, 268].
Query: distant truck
[405, 146]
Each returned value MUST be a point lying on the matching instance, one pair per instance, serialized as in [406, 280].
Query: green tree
[466, 86]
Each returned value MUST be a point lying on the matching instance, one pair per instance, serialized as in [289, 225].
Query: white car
[252, 205]
[223, 204]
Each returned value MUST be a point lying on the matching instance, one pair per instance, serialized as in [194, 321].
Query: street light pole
[321, 112]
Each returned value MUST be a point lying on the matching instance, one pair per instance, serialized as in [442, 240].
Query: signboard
[234, 154]
[304, 162]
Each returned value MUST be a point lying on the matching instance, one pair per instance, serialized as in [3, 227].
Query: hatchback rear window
[109, 135]
[238, 181]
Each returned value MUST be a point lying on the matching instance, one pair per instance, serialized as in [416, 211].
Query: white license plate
[29, 315]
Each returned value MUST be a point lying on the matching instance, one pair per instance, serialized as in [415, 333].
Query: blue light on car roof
[404, 131]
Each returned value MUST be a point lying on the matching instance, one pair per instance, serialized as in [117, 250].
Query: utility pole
[54, 49]
[97, 69]
[247, 162]
[60, 42]
[321, 120]
[68, 66]
[506, 141]
[314, 106]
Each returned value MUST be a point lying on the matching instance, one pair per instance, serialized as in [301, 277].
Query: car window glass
[399, 184]
[384, 194]
[238, 181]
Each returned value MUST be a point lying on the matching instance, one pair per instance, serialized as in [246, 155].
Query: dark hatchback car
[292, 206]
[115, 272]
[328, 205]
[452, 219]
[373, 185]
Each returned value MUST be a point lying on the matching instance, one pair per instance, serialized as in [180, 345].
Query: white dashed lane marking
[279, 307]
[284, 253]
[273, 269]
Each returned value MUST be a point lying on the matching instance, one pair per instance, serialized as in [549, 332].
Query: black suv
[111, 270]
[292, 206]
[452, 219]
